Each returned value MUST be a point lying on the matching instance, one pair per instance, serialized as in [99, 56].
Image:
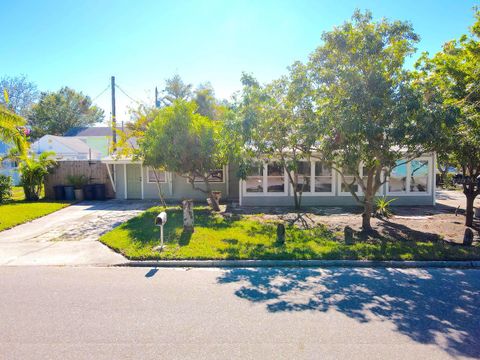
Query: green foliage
[183, 142]
[370, 113]
[57, 112]
[6, 186]
[77, 181]
[20, 94]
[33, 170]
[175, 89]
[451, 79]
[382, 207]
[10, 125]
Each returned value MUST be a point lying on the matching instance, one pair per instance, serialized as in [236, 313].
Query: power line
[131, 98]
[103, 91]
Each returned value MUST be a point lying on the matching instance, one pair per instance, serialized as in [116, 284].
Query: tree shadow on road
[439, 307]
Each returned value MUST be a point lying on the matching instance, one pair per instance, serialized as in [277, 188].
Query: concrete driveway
[68, 236]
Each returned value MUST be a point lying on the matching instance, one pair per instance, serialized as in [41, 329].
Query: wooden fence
[95, 171]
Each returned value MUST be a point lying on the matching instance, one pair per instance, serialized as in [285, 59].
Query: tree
[57, 112]
[22, 94]
[452, 79]
[11, 126]
[183, 142]
[369, 112]
[277, 122]
[33, 170]
[175, 89]
[204, 96]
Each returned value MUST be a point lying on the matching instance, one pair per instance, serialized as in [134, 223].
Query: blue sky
[82, 43]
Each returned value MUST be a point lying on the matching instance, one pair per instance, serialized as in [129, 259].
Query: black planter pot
[100, 192]
[59, 192]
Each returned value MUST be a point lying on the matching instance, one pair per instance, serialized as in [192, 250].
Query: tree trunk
[367, 213]
[187, 215]
[469, 212]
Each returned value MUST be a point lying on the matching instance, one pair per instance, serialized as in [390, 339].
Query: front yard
[19, 211]
[253, 236]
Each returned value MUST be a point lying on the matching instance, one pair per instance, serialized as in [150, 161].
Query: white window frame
[265, 184]
[348, 193]
[380, 191]
[414, 193]
[214, 182]
[154, 182]
[312, 191]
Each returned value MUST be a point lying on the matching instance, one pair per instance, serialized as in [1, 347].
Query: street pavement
[277, 313]
[68, 236]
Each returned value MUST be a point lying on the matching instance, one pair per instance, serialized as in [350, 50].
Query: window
[162, 176]
[418, 176]
[303, 175]
[323, 178]
[398, 178]
[410, 178]
[215, 176]
[349, 179]
[275, 178]
[254, 181]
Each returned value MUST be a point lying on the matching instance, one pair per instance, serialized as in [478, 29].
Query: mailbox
[161, 219]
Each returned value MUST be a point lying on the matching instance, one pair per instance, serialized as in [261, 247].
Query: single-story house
[411, 183]
[66, 148]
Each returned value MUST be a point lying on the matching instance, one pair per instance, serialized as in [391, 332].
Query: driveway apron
[68, 236]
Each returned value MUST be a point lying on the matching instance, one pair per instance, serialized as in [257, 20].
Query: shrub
[77, 181]
[382, 207]
[5, 188]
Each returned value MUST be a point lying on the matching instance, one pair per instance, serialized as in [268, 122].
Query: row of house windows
[317, 178]
[215, 176]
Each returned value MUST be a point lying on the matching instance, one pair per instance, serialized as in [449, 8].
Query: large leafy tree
[452, 79]
[181, 141]
[277, 124]
[22, 94]
[57, 112]
[370, 114]
[175, 89]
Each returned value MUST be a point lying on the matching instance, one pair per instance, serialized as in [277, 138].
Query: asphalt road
[142, 313]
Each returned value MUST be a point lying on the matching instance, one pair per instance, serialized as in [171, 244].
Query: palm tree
[33, 170]
[9, 127]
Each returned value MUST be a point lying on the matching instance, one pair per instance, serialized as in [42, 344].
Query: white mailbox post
[161, 220]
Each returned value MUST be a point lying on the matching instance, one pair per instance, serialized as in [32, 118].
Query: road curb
[301, 263]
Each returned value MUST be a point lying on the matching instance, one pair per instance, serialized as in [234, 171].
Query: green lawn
[19, 211]
[217, 238]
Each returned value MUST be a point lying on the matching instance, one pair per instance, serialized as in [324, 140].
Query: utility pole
[157, 103]
[114, 117]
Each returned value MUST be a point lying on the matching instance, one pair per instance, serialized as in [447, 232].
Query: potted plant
[78, 181]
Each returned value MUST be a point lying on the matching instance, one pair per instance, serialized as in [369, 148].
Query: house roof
[90, 131]
[75, 144]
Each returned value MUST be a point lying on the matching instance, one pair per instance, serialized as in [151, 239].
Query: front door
[134, 181]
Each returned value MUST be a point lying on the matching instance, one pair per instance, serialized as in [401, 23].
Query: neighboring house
[65, 148]
[411, 183]
[98, 137]
[8, 167]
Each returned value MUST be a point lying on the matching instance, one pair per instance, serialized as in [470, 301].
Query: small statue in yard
[468, 237]
[187, 215]
[348, 234]
[281, 234]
